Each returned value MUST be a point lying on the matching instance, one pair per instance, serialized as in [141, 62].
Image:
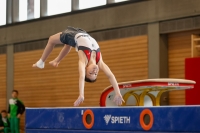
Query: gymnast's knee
[51, 40]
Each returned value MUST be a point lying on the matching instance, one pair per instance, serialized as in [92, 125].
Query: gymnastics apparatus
[140, 113]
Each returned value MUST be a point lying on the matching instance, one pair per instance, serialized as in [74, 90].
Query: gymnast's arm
[110, 76]
[81, 77]
[82, 65]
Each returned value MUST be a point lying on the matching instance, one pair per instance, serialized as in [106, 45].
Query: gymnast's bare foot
[54, 63]
[34, 65]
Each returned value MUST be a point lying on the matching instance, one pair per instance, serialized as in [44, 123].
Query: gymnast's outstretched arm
[82, 65]
[118, 97]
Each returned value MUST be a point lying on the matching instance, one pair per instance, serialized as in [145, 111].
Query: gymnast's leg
[66, 49]
[53, 40]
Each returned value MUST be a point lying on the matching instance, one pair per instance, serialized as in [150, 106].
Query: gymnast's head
[91, 73]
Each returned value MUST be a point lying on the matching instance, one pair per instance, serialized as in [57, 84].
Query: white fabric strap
[40, 64]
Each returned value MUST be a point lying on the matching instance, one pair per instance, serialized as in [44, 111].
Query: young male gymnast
[90, 59]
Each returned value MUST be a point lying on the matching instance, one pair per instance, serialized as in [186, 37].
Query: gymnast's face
[92, 71]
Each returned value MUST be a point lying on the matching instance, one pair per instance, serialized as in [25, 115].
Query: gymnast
[90, 59]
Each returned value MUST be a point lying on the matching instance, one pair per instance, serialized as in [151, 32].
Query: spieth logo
[107, 118]
[117, 119]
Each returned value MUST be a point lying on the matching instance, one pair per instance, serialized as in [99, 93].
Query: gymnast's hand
[79, 100]
[118, 99]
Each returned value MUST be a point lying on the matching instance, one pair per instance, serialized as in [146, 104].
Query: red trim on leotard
[97, 56]
[88, 52]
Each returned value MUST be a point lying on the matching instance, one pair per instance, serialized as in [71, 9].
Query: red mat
[192, 72]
